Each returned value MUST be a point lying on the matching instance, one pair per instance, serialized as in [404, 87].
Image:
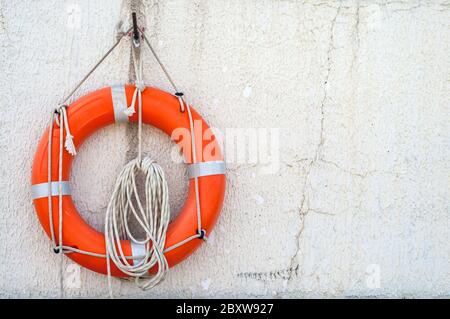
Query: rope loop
[180, 100]
[202, 234]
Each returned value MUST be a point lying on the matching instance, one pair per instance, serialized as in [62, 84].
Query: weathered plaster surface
[359, 90]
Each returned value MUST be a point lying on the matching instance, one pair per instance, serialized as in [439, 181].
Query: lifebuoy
[99, 109]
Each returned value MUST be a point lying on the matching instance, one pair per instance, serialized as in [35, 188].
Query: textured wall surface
[359, 90]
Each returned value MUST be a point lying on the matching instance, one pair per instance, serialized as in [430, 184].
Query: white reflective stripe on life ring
[119, 100]
[138, 252]
[206, 169]
[41, 190]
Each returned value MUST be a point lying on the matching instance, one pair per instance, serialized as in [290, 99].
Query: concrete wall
[359, 90]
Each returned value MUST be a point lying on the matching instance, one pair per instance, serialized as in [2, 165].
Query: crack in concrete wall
[304, 208]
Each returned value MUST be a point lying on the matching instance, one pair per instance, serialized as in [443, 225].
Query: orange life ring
[104, 107]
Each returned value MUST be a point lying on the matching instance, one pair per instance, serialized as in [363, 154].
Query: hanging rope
[153, 217]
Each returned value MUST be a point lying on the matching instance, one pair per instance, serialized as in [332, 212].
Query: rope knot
[202, 234]
[58, 111]
[63, 123]
[140, 87]
[139, 83]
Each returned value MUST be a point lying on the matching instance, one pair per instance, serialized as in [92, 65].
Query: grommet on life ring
[101, 108]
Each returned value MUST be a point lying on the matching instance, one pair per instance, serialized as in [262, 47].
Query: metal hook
[136, 39]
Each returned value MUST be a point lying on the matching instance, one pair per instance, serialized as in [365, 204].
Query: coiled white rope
[153, 218]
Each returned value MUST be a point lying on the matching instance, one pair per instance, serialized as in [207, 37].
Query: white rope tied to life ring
[153, 217]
